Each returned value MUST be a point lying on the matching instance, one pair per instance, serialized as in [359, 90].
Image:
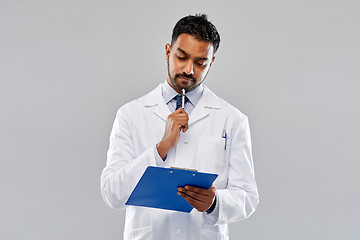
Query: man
[208, 134]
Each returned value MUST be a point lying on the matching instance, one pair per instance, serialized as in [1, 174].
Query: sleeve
[240, 198]
[159, 161]
[123, 169]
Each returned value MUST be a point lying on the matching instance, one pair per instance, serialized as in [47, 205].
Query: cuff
[159, 161]
[212, 217]
[212, 207]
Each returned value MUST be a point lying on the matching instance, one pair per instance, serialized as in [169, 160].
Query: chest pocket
[211, 155]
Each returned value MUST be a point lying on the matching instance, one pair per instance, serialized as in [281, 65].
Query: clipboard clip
[188, 169]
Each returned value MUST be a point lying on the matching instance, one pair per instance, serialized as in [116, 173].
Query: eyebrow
[197, 58]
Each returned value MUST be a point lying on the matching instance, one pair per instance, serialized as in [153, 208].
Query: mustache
[185, 76]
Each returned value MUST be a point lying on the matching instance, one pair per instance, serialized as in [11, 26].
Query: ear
[167, 51]
[212, 60]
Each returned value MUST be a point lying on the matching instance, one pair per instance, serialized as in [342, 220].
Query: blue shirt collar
[194, 96]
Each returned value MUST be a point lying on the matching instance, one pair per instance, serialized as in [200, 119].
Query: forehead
[193, 47]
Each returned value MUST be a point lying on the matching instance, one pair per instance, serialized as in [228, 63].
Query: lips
[185, 79]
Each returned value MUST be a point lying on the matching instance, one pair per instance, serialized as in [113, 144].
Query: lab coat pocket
[211, 155]
[139, 234]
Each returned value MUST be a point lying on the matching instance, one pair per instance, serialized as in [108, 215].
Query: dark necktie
[178, 101]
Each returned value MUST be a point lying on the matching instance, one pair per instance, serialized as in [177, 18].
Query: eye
[181, 58]
[201, 64]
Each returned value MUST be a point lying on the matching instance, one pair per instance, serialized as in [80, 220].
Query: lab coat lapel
[156, 101]
[203, 108]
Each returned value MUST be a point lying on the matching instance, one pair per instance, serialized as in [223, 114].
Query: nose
[189, 68]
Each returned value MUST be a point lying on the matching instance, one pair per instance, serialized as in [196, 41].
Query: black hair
[199, 27]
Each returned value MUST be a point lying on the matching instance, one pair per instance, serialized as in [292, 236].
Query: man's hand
[199, 198]
[176, 121]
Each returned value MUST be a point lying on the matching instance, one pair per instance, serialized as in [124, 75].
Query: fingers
[176, 122]
[180, 110]
[185, 127]
[200, 198]
[194, 195]
[180, 119]
[185, 118]
[192, 191]
[198, 204]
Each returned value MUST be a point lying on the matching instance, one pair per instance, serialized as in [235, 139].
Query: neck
[173, 87]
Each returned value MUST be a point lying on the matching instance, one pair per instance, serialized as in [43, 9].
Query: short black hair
[199, 27]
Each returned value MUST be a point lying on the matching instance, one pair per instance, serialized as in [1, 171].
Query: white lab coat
[140, 124]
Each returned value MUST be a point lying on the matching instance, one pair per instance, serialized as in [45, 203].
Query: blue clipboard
[157, 188]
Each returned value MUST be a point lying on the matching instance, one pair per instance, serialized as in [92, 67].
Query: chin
[187, 87]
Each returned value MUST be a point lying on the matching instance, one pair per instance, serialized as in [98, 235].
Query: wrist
[212, 207]
[162, 149]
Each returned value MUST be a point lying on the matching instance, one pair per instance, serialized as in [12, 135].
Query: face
[188, 61]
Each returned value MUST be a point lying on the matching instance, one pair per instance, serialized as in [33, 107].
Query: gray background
[67, 66]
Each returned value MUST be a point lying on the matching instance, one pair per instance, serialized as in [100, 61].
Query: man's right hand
[176, 122]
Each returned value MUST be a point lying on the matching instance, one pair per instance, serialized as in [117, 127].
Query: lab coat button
[178, 231]
[185, 142]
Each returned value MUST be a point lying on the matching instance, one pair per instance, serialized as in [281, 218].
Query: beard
[178, 77]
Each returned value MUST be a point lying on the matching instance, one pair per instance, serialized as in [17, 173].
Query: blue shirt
[194, 96]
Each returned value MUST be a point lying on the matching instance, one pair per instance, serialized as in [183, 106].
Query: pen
[224, 135]
[183, 98]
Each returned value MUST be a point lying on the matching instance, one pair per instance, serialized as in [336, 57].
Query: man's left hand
[199, 198]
